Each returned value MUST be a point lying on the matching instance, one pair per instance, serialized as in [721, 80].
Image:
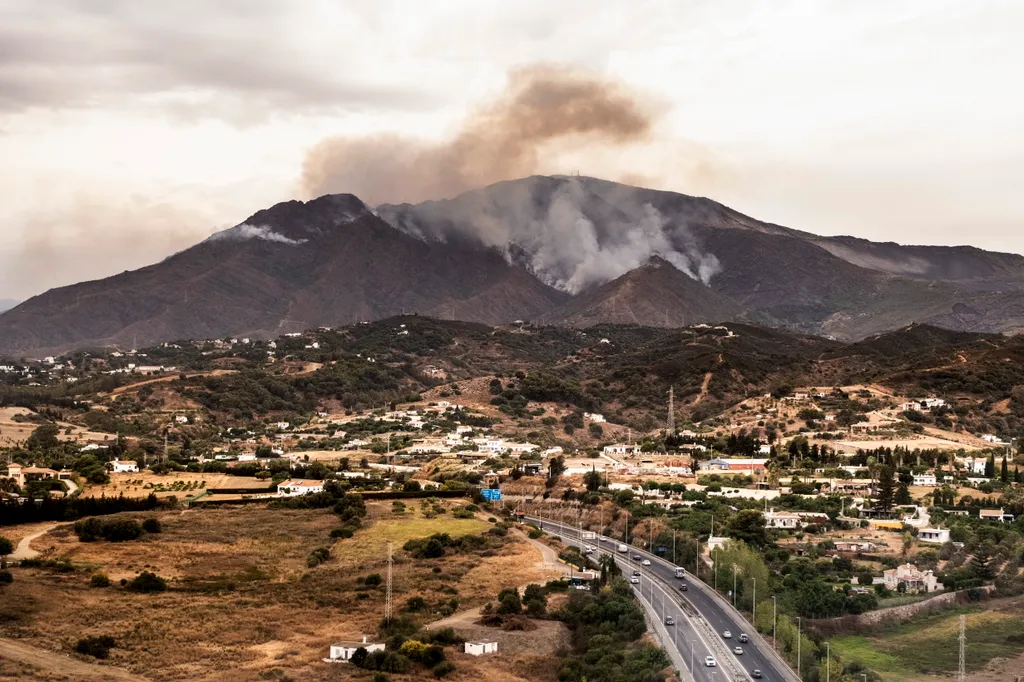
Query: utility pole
[387, 601]
[671, 411]
[734, 585]
[828, 661]
[753, 605]
[798, 647]
[775, 624]
[961, 675]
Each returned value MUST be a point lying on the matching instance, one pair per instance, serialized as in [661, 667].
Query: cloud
[541, 106]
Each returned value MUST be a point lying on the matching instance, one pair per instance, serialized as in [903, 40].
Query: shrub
[114, 530]
[462, 513]
[146, 582]
[535, 534]
[442, 669]
[343, 532]
[372, 580]
[99, 580]
[415, 604]
[97, 646]
[152, 525]
[6, 577]
[318, 556]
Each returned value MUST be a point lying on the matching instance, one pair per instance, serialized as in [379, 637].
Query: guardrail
[760, 641]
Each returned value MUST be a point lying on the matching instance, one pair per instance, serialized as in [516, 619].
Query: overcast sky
[130, 129]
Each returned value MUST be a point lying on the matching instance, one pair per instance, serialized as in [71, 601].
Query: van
[622, 548]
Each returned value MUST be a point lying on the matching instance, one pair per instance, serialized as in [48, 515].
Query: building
[343, 651]
[735, 464]
[594, 417]
[994, 515]
[785, 520]
[936, 536]
[294, 488]
[620, 449]
[481, 648]
[925, 479]
[23, 475]
[911, 577]
[181, 419]
[123, 466]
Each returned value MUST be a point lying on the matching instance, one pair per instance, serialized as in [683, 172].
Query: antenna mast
[387, 601]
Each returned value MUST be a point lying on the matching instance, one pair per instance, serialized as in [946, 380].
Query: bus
[680, 572]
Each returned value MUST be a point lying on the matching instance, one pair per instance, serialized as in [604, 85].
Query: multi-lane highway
[659, 586]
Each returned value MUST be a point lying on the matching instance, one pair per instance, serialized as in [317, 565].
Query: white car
[710, 661]
[726, 635]
[738, 650]
[645, 562]
[635, 580]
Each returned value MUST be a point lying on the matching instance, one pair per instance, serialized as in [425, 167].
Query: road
[712, 608]
[24, 549]
[61, 665]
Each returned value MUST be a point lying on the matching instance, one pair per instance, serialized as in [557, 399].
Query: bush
[415, 604]
[372, 580]
[117, 529]
[535, 534]
[152, 525]
[6, 577]
[99, 580]
[343, 532]
[98, 646]
[147, 582]
[442, 669]
[462, 513]
[318, 556]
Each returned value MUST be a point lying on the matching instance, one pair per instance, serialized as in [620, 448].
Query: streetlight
[734, 585]
[775, 624]
[828, 660]
[753, 607]
[798, 646]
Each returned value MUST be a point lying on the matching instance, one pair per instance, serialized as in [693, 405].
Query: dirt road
[63, 665]
[24, 549]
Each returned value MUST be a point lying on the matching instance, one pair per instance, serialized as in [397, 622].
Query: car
[669, 620]
[744, 638]
[636, 557]
[756, 674]
[738, 650]
[726, 635]
[683, 588]
[710, 661]
[588, 550]
[635, 580]
[637, 573]
[646, 562]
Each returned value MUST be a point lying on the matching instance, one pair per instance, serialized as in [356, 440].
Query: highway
[658, 581]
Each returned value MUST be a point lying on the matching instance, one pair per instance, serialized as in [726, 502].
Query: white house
[181, 419]
[925, 479]
[764, 449]
[936, 536]
[283, 426]
[481, 648]
[121, 466]
[342, 651]
[909, 575]
[787, 520]
[594, 417]
[291, 488]
[247, 457]
[619, 449]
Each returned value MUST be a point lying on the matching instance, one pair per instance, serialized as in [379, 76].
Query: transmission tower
[961, 675]
[387, 600]
[671, 411]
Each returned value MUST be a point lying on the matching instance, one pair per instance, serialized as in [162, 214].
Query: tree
[990, 466]
[556, 467]
[44, 437]
[749, 526]
[6, 549]
[1004, 473]
[593, 481]
[885, 488]
[903, 495]
[509, 602]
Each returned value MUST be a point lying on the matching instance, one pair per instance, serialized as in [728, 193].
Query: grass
[373, 539]
[928, 645]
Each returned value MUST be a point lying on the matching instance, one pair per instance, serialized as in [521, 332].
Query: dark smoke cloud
[542, 105]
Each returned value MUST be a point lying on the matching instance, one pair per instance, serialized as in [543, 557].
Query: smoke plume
[506, 139]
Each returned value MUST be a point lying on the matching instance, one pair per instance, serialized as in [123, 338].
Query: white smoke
[247, 231]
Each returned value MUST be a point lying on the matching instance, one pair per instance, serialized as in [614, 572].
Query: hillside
[558, 250]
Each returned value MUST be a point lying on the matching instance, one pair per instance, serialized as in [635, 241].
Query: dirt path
[704, 386]
[24, 549]
[128, 387]
[63, 664]
[549, 563]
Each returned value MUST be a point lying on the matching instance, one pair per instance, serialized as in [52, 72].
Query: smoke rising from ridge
[505, 139]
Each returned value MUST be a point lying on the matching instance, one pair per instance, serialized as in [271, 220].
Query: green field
[928, 645]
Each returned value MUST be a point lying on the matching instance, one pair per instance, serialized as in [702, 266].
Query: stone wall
[894, 614]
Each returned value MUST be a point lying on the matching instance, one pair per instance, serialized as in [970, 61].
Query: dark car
[683, 588]
[636, 557]
[756, 674]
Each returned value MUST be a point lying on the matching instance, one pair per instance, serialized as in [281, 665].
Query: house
[181, 419]
[925, 479]
[428, 446]
[936, 536]
[282, 426]
[122, 466]
[786, 520]
[855, 546]
[735, 464]
[994, 515]
[764, 449]
[911, 577]
[247, 457]
[343, 651]
[481, 648]
[620, 449]
[594, 417]
[293, 488]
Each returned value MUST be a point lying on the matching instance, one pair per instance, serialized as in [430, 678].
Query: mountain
[7, 304]
[564, 250]
[656, 294]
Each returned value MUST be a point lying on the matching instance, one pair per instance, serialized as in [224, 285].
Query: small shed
[343, 651]
[481, 648]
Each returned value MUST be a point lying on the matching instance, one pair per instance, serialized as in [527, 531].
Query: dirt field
[922, 442]
[242, 603]
[180, 484]
[12, 432]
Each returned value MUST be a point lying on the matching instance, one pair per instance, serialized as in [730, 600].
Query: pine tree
[1004, 472]
[886, 487]
[990, 466]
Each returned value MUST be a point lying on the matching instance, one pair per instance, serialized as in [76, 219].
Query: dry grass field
[242, 603]
[13, 431]
[181, 484]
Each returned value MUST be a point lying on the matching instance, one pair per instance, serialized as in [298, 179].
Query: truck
[622, 548]
[680, 572]
[588, 535]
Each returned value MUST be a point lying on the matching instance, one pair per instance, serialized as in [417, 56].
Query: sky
[130, 130]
